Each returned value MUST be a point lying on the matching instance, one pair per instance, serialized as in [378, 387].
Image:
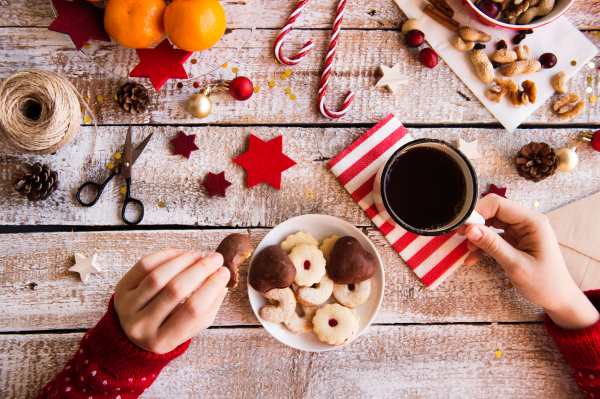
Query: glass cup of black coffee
[429, 188]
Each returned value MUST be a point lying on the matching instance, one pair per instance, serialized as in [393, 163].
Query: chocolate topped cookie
[350, 263]
[235, 248]
[271, 268]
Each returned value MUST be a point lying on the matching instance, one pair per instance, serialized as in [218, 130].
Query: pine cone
[537, 161]
[35, 181]
[133, 98]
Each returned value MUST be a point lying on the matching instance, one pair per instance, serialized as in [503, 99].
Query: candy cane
[286, 29]
[327, 71]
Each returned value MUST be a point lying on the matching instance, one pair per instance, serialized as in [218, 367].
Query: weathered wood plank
[360, 14]
[159, 176]
[39, 293]
[432, 97]
[454, 361]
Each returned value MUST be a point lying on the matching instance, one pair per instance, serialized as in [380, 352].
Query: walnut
[503, 86]
[568, 107]
[515, 10]
[526, 96]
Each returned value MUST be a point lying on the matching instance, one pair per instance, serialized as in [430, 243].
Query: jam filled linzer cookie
[327, 246]
[298, 239]
[271, 268]
[315, 296]
[286, 305]
[335, 324]
[301, 325]
[350, 263]
[309, 263]
[352, 295]
[235, 248]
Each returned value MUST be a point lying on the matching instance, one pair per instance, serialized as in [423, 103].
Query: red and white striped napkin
[432, 259]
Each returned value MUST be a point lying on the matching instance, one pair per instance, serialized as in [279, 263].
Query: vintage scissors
[124, 168]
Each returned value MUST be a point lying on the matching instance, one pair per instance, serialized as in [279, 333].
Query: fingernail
[197, 255]
[223, 271]
[474, 235]
[217, 258]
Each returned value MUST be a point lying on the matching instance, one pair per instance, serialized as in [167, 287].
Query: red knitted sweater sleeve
[108, 365]
[582, 350]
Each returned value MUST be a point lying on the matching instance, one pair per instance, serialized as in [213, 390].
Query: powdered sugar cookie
[335, 324]
[352, 295]
[309, 263]
[298, 239]
[301, 325]
[283, 310]
[327, 246]
[315, 296]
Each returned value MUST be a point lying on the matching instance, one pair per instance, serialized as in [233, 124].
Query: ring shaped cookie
[283, 310]
[335, 324]
[315, 296]
[352, 295]
[301, 325]
[309, 263]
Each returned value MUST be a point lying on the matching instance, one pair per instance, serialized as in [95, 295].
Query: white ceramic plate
[321, 227]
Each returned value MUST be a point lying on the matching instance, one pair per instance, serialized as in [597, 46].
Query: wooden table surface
[423, 344]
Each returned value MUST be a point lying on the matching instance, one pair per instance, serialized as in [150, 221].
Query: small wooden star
[85, 266]
[469, 149]
[495, 190]
[391, 78]
[216, 184]
[80, 20]
[184, 144]
[161, 63]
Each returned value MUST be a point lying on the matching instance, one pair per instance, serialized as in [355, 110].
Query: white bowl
[320, 227]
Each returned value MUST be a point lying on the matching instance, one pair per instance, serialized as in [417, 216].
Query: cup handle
[475, 218]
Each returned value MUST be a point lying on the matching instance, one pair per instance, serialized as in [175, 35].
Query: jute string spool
[39, 111]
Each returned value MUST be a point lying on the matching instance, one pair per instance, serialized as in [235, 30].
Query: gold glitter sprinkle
[118, 155]
[87, 45]
[161, 204]
[276, 62]
[271, 83]
[592, 99]
[85, 99]
[288, 71]
[234, 70]
[573, 62]
[123, 190]
[225, 65]
[293, 97]
[284, 76]
[588, 90]
[498, 353]
[597, 34]
[116, 98]
[590, 79]
[288, 91]
[87, 119]
[99, 98]
[82, 109]
[256, 89]
[536, 204]
[510, 284]
[111, 165]
[591, 65]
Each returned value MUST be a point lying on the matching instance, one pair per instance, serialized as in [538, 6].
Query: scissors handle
[98, 187]
[129, 200]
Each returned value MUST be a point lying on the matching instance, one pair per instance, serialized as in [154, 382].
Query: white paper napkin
[559, 37]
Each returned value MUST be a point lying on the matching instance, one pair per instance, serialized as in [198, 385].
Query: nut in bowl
[304, 232]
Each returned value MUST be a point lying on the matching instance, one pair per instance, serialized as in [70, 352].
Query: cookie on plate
[335, 324]
[327, 246]
[315, 296]
[286, 305]
[309, 263]
[297, 239]
[301, 324]
[352, 295]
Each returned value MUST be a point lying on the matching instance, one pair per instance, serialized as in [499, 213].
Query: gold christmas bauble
[568, 159]
[199, 105]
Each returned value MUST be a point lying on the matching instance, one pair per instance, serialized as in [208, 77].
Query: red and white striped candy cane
[286, 29]
[327, 71]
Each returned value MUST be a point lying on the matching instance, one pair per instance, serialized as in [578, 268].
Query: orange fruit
[195, 25]
[135, 23]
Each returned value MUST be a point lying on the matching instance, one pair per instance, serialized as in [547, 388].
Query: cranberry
[489, 8]
[428, 57]
[306, 265]
[548, 60]
[414, 38]
[333, 322]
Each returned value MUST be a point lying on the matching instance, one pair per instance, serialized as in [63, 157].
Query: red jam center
[333, 322]
[306, 265]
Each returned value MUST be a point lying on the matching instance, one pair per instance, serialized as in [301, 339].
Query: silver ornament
[568, 159]
[199, 105]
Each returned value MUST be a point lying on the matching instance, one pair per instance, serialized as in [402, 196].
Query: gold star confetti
[161, 204]
[498, 353]
[234, 70]
[597, 34]
[87, 119]
[573, 62]
[116, 98]
[111, 165]
[99, 98]
[256, 89]
[118, 155]
[592, 99]
[123, 191]
[588, 90]
[293, 97]
[288, 91]
[590, 79]
[536, 204]
[276, 62]
[82, 109]
[225, 65]
[85, 99]
[592, 65]
[284, 76]
[87, 45]
[288, 71]
[271, 83]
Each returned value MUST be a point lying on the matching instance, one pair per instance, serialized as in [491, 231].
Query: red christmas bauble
[595, 142]
[241, 88]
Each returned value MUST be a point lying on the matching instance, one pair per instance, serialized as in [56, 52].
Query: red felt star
[265, 161]
[160, 64]
[216, 184]
[80, 20]
[495, 190]
[184, 144]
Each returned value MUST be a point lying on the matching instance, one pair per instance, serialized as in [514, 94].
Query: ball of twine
[39, 111]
